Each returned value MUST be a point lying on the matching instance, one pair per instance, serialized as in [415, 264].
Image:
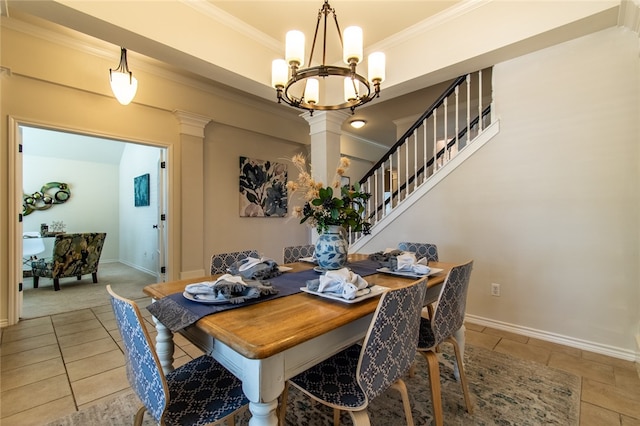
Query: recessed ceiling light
[358, 123]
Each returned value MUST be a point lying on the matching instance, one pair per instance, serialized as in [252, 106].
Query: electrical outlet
[495, 289]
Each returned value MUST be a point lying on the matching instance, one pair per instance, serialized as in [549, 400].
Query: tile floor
[54, 365]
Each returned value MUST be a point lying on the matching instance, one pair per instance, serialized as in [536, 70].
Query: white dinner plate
[409, 274]
[204, 301]
[375, 290]
[308, 260]
[284, 268]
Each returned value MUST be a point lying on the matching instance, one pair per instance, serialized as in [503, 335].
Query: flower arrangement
[321, 207]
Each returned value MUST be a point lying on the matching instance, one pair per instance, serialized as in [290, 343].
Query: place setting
[342, 285]
[404, 264]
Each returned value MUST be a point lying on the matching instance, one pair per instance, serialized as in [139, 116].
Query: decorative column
[325, 130]
[192, 193]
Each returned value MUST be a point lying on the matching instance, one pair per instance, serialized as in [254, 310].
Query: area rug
[504, 390]
[74, 294]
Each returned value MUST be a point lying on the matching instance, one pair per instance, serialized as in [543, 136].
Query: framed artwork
[263, 188]
[141, 190]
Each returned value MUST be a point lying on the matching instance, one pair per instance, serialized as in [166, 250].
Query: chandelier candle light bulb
[352, 45]
[279, 72]
[377, 62]
[312, 91]
[294, 48]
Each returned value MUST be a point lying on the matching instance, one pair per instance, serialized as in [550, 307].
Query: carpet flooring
[504, 390]
[74, 294]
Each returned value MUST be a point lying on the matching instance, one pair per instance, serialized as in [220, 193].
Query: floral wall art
[263, 188]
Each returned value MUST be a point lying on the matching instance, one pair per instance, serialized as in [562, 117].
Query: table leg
[164, 346]
[262, 383]
[460, 338]
[263, 413]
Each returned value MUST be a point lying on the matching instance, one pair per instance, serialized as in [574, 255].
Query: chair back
[452, 304]
[293, 253]
[389, 347]
[430, 251]
[77, 254]
[142, 365]
[220, 262]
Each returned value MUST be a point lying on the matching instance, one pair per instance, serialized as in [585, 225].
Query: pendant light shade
[123, 84]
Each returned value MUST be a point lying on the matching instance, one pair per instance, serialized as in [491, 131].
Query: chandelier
[123, 84]
[300, 87]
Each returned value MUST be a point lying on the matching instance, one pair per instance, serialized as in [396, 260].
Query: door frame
[14, 294]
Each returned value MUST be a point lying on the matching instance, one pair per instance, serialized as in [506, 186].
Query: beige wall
[63, 86]
[549, 208]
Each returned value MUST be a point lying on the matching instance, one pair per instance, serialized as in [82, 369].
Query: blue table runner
[177, 312]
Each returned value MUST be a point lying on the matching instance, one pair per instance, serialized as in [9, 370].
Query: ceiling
[233, 42]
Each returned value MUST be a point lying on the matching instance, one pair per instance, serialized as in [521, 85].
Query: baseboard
[139, 268]
[4, 323]
[608, 350]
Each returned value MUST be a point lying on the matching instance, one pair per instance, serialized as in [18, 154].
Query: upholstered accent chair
[220, 262]
[358, 374]
[199, 392]
[430, 251]
[74, 255]
[293, 253]
[446, 320]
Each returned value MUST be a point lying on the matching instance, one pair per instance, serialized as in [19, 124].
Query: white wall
[93, 206]
[549, 208]
[138, 238]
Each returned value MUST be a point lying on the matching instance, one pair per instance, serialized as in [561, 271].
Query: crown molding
[228, 20]
[447, 15]
[109, 52]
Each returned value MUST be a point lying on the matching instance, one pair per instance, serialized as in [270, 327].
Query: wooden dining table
[265, 344]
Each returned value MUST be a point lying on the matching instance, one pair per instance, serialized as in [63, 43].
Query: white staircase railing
[435, 138]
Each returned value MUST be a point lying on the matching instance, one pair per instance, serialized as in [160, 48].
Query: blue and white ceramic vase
[332, 248]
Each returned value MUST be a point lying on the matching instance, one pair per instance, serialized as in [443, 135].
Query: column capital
[191, 124]
[325, 121]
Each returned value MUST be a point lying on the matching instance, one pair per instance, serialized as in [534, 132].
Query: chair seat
[334, 380]
[202, 391]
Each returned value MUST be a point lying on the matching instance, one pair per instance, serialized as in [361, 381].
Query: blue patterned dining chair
[293, 253]
[446, 320]
[199, 392]
[430, 251]
[353, 377]
[222, 261]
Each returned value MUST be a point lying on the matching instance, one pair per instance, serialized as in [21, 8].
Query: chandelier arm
[335, 18]
[324, 35]
[315, 36]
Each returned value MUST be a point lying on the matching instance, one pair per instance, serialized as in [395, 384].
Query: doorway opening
[100, 174]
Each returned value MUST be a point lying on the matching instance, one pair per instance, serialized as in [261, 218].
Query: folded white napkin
[250, 262]
[342, 282]
[407, 263]
[210, 290]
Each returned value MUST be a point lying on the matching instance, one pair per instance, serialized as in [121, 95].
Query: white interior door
[18, 242]
[162, 223]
